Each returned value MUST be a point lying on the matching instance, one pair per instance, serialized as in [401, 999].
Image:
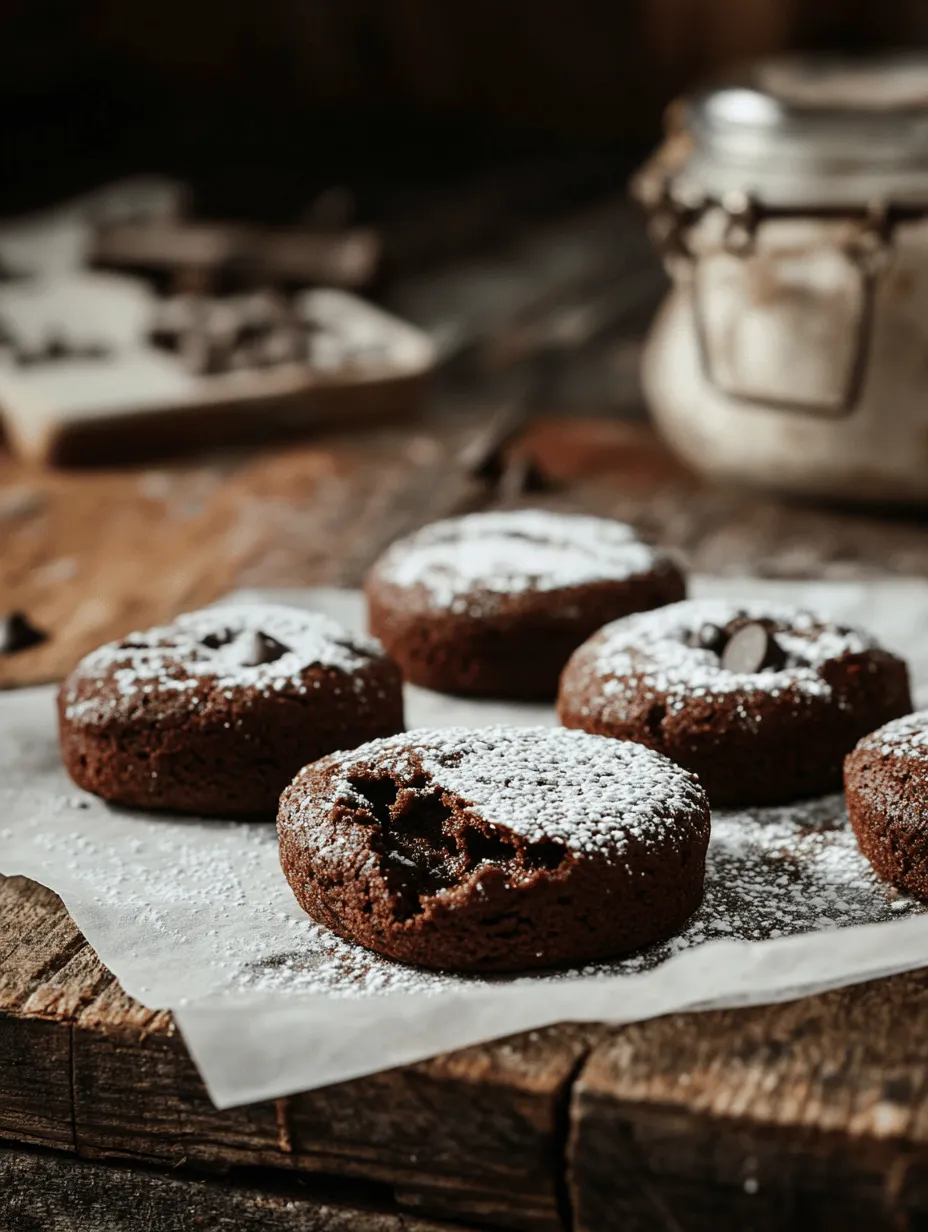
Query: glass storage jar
[792, 210]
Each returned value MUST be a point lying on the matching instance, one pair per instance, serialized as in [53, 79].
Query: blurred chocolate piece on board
[97, 366]
[257, 330]
[17, 633]
[186, 373]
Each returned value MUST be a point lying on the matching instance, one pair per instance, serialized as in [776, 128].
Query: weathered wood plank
[138, 1095]
[38, 945]
[476, 1135]
[91, 556]
[44, 1192]
[812, 1114]
[672, 1120]
[35, 1083]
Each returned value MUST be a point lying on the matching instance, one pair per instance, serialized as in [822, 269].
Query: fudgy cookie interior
[425, 844]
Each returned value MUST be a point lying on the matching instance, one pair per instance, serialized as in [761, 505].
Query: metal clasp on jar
[785, 327]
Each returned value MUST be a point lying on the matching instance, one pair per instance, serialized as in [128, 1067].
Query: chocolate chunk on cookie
[761, 701]
[751, 648]
[215, 713]
[493, 604]
[496, 849]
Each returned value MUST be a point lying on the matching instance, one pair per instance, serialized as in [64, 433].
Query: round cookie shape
[886, 784]
[497, 849]
[761, 701]
[493, 604]
[214, 713]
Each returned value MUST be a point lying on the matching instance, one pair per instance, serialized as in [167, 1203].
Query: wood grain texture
[85, 1069]
[765, 1118]
[92, 556]
[38, 943]
[43, 1192]
[807, 1115]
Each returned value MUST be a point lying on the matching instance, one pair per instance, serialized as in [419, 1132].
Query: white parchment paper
[195, 916]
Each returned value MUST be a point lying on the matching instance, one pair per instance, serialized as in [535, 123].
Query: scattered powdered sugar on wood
[510, 552]
[656, 650]
[905, 737]
[588, 792]
[267, 648]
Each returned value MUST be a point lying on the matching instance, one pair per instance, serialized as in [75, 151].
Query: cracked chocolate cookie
[761, 701]
[498, 849]
[215, 713]
[886, 783]
[493, 604]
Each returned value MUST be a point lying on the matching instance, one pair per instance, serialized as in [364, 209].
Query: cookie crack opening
[545, 853]
[425, 842]
[415, 850]
[487, 845]
[418, 853]
[378, 794]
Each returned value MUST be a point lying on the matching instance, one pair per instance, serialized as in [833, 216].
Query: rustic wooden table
[807, 1115]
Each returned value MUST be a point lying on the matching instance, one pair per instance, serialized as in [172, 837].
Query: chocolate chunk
[56, 347]
[709, 637]
[220, 638]
[18, 633]
[751, 649]
[253, 648]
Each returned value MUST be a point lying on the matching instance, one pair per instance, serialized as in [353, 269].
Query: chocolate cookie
[493, 604]
[215, 713]
[496, 849]
[761, 702]
[886, 781]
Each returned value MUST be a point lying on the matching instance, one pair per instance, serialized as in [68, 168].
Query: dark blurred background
[454, 133]
[479, 105]
[486, 147]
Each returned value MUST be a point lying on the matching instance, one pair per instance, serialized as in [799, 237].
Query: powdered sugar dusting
[588, 792]
[198, 917]
[777, 872]
[510, 552]
[654, 648]
[203, 910]
[193, 914]
[215, 647]
[905, 737]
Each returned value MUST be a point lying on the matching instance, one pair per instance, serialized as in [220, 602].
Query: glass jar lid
[815, 131]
